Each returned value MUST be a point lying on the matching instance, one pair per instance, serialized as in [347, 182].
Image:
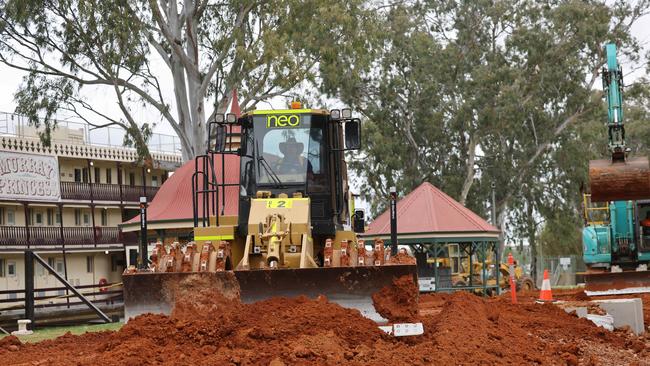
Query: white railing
[12, 124]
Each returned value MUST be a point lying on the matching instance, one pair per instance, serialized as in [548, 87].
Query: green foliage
[466, 94]
[263, 49]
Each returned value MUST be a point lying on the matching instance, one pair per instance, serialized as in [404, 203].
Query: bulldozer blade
[350, 287]
[629, 180]
[617, 283]
[156, 292]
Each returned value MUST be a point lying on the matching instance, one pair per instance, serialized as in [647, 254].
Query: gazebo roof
[172, 206]
[429, 213]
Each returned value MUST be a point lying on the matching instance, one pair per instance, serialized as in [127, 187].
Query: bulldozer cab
[297, 153]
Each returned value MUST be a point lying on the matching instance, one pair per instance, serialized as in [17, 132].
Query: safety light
[335, 114]
[219, 118]
[346, 113]
[296, 105]
[231, 118]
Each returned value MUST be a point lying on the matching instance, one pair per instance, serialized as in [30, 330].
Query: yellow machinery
[522, 281]
[461, 278]
[293, 234]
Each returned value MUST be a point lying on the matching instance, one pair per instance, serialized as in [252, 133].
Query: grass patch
[53, 332]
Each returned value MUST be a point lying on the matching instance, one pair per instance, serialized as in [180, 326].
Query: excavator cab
[295, 230]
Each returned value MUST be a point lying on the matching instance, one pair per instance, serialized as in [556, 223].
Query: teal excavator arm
[613, 88]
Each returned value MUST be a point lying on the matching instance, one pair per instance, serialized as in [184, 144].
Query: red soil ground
[459, 328]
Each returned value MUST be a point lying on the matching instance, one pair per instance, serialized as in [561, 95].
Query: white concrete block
[626, 312]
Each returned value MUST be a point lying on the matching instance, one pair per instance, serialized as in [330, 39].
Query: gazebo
[436, 228]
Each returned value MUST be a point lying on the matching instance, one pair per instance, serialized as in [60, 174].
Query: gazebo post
[471, 264]
[495, 248]
[435, 265]
[484, 268]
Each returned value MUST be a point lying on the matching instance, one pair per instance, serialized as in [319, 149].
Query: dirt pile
[579, 295]
[401, 258]
[459, 329]
[398, 302]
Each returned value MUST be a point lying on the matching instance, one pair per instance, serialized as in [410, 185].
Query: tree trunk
[469, 172]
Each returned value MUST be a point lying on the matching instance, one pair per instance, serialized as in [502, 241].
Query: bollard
[22, 327]
[511, 270]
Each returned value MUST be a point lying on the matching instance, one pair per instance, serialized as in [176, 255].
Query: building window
[90, 264]
[30, 216]
[77, 175]
[2, 216]
[50, 217]
[60, 268]
[50, 261]
[97, 176]
[86, 219]
[163, 178]
[2, 267]
[154, 181]
[77, 217]
[109, 176]
[57, 217]
[39, 218]
[11, 217]
[11, 269]
[104, 217]
[84, 175]
[131, 179]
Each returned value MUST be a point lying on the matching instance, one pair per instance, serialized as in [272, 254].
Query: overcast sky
[11, 79]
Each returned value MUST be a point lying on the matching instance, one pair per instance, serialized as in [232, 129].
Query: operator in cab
[292, 161]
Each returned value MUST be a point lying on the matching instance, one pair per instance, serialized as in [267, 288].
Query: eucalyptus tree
[179, 59]
[467, 94]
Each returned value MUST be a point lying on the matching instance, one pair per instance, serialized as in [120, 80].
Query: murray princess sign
[29, 177]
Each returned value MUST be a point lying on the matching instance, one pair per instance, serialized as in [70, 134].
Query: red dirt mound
[401, 258]
[399, 301]
[459, 329]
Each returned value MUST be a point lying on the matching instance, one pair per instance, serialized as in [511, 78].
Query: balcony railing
[81, 133]
[106, 192]
[40, 236]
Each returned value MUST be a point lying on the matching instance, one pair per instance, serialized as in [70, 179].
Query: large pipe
[619, 181]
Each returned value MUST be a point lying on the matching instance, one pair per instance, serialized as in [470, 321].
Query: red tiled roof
[174, 199]
[429, 210]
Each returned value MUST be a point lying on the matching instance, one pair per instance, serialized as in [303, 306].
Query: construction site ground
[460, 328]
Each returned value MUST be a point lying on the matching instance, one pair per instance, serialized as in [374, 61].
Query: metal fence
[12, 124]
[562, 270]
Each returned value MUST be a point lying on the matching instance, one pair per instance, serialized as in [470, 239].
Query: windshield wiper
[267, 167]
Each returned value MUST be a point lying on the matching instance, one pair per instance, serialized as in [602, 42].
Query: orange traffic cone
[545, 295]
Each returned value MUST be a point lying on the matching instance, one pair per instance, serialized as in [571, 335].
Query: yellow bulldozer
[295, 231]
[461, 278]
[522, 281]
